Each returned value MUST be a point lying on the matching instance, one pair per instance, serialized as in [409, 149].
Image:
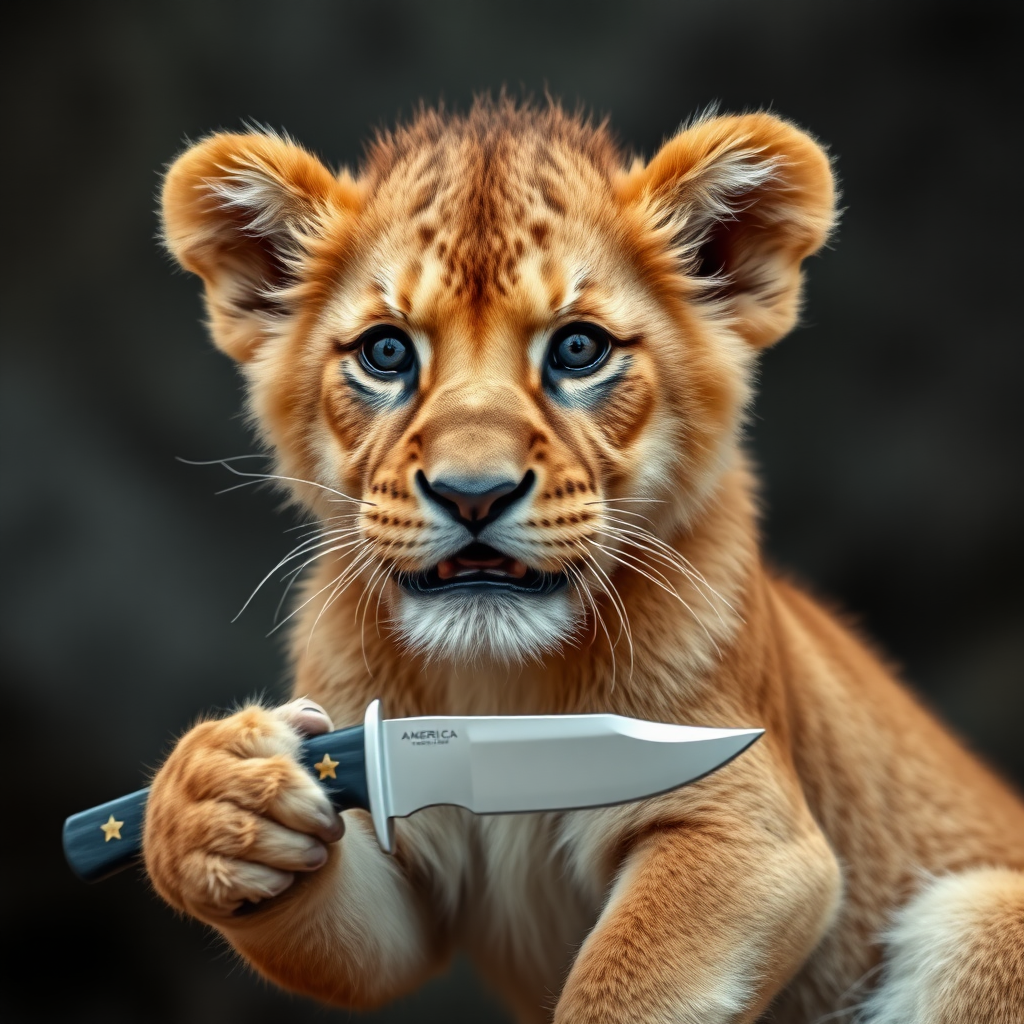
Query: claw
[306, 717]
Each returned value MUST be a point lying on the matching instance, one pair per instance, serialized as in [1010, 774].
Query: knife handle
[105, 839]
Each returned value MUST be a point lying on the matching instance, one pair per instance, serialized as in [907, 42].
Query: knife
[488, 764]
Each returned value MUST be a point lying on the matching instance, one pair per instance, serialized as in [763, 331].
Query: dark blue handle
[107, 838]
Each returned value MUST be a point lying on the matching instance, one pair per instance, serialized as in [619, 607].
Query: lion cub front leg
[231, 816]
[233, 820]
[705, 924]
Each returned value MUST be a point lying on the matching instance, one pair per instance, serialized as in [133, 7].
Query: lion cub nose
[474, 500]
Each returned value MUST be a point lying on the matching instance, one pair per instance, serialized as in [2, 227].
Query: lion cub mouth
[480, 558]
[479, 566]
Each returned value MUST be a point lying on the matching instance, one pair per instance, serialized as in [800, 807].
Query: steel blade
[494, 765]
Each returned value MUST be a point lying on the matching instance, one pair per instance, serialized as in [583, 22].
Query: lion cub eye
[579, 347]
[386, 350]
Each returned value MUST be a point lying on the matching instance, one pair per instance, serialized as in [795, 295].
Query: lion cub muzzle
[478, 466]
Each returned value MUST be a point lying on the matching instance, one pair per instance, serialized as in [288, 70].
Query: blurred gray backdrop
[888, 427]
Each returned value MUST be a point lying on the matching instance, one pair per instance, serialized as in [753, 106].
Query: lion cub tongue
[500, 566]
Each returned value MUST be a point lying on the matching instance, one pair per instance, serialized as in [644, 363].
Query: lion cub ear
[738, 203]
[244, 213]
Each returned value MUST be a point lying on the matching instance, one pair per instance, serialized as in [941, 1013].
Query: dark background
[888, 427]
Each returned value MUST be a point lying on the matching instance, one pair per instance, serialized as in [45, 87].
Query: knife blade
[487, 764]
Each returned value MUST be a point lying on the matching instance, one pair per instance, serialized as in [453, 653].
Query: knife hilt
[105, 839]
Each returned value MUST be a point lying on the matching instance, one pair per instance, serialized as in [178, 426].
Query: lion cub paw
[231, 816]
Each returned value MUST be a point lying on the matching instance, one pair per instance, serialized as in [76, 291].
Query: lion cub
[506, 369]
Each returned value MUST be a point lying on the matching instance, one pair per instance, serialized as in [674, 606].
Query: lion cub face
[512, 368]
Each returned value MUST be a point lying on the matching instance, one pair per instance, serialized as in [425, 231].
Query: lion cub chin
[505, 369]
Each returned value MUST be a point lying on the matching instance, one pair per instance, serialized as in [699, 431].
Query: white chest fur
[503, 884]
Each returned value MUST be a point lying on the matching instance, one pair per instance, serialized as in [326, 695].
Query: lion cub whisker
[604, 582]
[643, 568]
[673, 557]
[257, 478]
[584, 586]
[669, 557]
[300, 552]
[364, 557]
[355, 550]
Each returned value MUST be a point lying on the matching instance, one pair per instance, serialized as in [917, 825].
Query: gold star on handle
[112, 829]
[326, 768]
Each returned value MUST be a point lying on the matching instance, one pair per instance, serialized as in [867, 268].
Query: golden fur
[857, 859]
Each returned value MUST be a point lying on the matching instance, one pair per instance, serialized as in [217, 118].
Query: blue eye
[579, 347]
[386, 350]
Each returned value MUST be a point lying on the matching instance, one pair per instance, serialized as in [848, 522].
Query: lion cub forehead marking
[483, 242]
[479, 198]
